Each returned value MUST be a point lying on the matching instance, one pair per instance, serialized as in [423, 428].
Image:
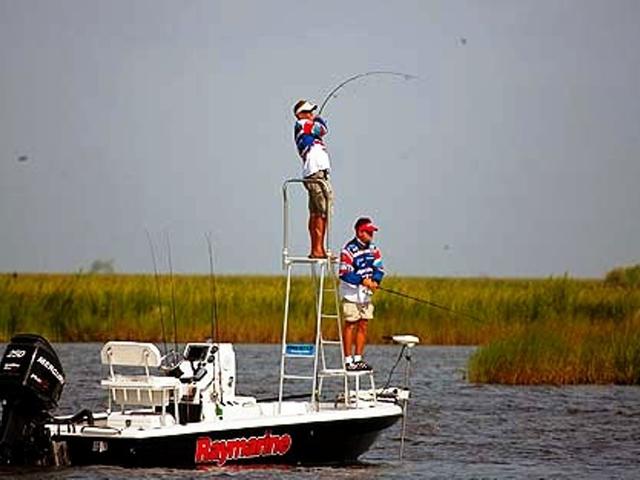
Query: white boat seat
[140, 390]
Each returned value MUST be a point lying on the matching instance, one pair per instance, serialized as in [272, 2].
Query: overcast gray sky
[515, 153]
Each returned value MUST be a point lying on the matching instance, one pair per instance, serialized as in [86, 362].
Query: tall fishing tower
[326, 312]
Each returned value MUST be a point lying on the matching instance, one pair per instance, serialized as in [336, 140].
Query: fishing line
[332, 93]
[430, 303]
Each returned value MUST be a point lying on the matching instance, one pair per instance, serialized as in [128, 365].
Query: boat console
[191, 389]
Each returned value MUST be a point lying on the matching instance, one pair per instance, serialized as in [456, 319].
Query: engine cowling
[31, 383]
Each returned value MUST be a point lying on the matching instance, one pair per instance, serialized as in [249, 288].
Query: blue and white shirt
[308, 137]
[357, 262]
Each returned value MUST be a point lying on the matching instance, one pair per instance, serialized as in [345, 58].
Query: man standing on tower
[309, 131]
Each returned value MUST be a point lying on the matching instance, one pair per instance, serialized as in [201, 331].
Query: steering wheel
[170, 360]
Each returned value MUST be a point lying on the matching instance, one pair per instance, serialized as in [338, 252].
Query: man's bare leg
[348, 338]
[361, 336]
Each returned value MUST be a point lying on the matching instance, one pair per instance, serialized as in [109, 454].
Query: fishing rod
[430, 303]
[332, 93]
[214, 311]
[157, 279]
[173, 295]
[214, 292]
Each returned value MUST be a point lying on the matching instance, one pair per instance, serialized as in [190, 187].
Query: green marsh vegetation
[578, 330]
[571, 350]
[559, 352]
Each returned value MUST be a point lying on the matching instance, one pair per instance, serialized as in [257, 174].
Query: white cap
[303, 106]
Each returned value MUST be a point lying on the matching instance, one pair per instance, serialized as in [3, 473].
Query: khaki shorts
[320, 193]
[352, 312]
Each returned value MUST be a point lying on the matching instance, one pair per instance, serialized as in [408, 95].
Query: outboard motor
[31, 381]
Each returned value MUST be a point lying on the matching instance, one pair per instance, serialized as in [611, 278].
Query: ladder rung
[329, 315]
[331, 342]
[298, 355]
[332, 372]
[305, 260]
[297, 377]
[358, 373]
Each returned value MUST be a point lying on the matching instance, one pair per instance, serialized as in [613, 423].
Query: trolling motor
[402, 395]
[31, 382]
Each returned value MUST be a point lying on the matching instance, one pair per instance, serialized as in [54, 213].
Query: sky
[514, 153]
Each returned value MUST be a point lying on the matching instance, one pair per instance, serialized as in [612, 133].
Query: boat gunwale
[366, 412]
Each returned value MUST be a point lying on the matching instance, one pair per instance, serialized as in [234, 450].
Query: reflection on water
[455, 429]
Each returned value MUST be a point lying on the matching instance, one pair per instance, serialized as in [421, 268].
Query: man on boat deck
[308, 132]
[361, 272]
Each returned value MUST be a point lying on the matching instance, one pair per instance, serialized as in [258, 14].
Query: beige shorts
[352, 312]
[320, 193]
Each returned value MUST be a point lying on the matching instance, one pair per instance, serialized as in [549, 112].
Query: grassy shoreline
[99, 307]
[530, 331]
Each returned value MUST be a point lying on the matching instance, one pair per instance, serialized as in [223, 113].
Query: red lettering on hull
[220, 451]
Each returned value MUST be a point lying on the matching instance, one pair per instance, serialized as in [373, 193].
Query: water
[455, 429]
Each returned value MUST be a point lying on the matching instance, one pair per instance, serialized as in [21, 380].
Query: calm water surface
[455, 429]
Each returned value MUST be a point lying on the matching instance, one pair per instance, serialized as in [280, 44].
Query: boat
[180, 409]
[187, 417]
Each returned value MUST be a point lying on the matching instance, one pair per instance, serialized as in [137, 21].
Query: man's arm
[323, 124]
[378, 267]
[319, 128]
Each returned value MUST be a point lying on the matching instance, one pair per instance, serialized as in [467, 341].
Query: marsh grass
[250, 308]
[531, 331]
[559, 352]
[576, 333]
[628, 276]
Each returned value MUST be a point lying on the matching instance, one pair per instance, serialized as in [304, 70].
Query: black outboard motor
[31, 381]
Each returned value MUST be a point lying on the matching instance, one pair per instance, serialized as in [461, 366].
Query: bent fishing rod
[332, 93]
[430, 303]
